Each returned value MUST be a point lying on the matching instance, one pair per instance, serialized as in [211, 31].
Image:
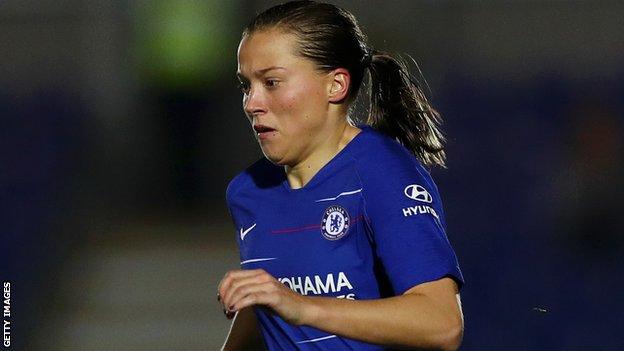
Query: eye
[244, 87]
[271, 83]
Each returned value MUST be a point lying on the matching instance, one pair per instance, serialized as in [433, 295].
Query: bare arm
[427, 316]
[244, 334]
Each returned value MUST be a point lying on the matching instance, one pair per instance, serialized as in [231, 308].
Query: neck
[300, 174]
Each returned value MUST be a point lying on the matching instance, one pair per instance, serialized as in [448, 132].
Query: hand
[243, 288]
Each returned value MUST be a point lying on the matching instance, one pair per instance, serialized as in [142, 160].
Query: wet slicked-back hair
[330, 37]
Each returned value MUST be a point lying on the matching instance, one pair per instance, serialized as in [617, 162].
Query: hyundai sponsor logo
[418, 193]
[418, 210]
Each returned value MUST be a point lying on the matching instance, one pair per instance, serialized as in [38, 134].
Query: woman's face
[284, 92]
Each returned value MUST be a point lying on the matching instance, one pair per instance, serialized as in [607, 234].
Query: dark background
[121, 125]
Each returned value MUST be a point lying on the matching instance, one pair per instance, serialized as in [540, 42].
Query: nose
[254, 103]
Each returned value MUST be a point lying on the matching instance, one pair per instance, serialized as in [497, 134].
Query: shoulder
[260, 174]
[384, 161]
[394, 179]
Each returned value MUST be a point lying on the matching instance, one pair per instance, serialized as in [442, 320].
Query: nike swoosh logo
[243, 233]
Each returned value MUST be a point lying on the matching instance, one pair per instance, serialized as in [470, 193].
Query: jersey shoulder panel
[383, 160]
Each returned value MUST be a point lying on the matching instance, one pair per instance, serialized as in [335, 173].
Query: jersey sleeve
[229, 197]
[405, 215]
[233, 205]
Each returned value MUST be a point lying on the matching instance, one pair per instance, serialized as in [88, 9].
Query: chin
[277, 160]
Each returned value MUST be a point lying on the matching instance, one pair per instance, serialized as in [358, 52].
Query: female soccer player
[340, 227]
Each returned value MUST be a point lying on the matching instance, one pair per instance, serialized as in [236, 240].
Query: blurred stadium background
[121, 125]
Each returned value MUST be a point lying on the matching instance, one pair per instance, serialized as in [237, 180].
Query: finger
[259, 298]
[230, 275]
[253, 294]
[238, 284]
[234, 274]
[229, 315]
[250, 300]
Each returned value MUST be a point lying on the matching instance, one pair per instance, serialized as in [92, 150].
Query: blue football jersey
[368, 225]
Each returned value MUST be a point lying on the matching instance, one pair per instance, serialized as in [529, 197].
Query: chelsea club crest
[335, 223]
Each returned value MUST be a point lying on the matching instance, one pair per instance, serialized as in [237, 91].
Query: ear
[340, 81]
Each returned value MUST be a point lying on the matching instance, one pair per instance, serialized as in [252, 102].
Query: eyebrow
[261, 71]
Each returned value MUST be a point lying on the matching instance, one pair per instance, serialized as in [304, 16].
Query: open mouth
[259, 128]
[264, 132]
